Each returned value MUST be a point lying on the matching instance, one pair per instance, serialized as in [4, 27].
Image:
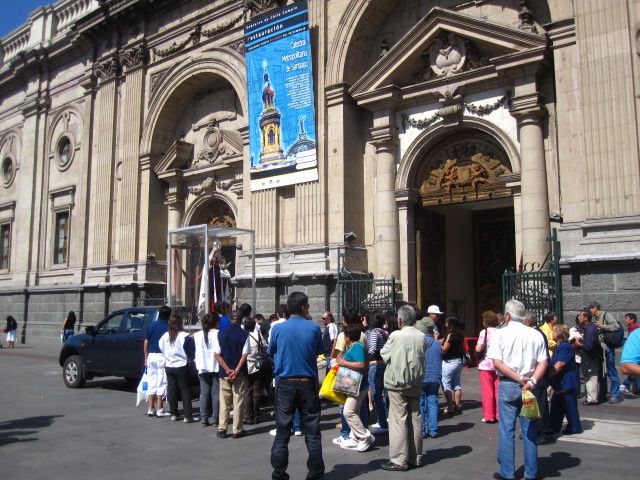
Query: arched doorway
[464, 225]
[217, 212]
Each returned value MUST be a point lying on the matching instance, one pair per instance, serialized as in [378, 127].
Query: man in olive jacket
[404, 355]
[606, 322]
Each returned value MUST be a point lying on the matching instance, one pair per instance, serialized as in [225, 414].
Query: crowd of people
[404, 359]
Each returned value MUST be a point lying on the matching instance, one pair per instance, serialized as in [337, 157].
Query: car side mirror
[90, 330]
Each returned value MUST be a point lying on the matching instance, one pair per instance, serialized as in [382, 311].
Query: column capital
[107, 69]
[385, 139]
[174, 195]
[406, 198]
[134, 57]
[527, 108]
[338, 95]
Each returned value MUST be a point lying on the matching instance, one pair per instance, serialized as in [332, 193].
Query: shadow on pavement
[552, 465]
[341, 471]
[118, 384]
[438, 454]
[13, 431]
[448, 429]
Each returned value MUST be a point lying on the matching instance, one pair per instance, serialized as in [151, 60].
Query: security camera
[350, 237]
[555, 217]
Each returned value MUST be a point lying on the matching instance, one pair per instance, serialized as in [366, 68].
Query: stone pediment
[178, 157]
[445, 45]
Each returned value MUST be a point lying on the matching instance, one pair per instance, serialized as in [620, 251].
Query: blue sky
[14, 13]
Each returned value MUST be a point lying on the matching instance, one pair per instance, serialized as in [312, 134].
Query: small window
[137, 321]
[61, 240]
[5, 245]
[64, 151]
[8, 171]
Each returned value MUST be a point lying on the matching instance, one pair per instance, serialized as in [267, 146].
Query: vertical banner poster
[282, 131]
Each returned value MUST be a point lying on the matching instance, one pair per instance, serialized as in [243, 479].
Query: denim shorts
[451, 370]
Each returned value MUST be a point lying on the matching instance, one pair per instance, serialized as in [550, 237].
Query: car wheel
[72, 372]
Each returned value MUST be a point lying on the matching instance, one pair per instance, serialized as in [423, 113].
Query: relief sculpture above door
[465, 171]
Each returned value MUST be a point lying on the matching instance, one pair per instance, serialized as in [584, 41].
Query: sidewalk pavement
[46, 428]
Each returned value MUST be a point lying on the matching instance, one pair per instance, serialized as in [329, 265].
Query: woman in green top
[355, 358]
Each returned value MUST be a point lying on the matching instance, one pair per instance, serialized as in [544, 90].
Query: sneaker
[162, 413]
[349, 444]
[365, 444]
[377, 429]
[614, 400]
[374, 425]
[151, 413]
[484, 420]
[273, 432]
[624, 389]
[298, 433]
[338, 440]
[174, 418]
[188, 420]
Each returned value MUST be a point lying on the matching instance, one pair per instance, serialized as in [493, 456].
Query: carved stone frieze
[526, 18]
[223, 26]
[107, 69]
[156, 78]
[451, 111]
[466, 171]
[256, 7]
[238, 46]
[209, 184]
[134, 57]
[448, 55]
[213, 146]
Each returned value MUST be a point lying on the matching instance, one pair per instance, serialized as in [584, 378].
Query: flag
[204, 289]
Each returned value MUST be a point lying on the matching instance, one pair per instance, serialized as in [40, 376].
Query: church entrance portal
[464, 228]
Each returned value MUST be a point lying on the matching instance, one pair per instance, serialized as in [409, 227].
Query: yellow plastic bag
[530, 408]
[326, 390]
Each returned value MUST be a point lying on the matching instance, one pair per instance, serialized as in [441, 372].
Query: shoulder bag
[613, 339]
[263, 361]
[347, 380]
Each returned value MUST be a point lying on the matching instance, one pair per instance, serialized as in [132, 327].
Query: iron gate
[363, 292]
[538, 286]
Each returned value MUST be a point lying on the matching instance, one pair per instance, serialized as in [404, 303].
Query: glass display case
[202, 262]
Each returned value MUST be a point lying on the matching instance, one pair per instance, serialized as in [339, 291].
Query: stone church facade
[450, 134]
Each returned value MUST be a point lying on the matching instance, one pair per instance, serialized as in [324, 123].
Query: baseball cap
[428, 323]
[434, 309]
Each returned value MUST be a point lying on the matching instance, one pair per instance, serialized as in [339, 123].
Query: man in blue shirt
[430, 381]
[630, 361]
[295, 344]
[154, 363]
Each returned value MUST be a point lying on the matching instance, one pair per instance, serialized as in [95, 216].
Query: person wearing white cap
[436, 315]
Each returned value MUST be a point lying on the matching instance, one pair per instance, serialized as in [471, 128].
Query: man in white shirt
[520, 358]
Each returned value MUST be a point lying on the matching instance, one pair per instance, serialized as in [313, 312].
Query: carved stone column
[133, 61]
[174, 199]
[106, 71]
[529, 112]
[405, 202]
[386, 234]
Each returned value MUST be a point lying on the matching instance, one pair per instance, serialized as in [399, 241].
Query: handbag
[615, 338]
[326, 389]
[483, 351]
[263, 360]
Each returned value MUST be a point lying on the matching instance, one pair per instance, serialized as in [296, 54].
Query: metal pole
[205, 271]
[253, 271]
[169, 268]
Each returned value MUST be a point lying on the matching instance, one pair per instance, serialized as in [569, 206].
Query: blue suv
[114, 347]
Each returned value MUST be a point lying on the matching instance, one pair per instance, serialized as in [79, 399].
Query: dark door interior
[433, 253]
[495, 245]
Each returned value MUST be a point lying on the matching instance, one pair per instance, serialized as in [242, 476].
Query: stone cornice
[528, 107]
[385, 138]
[405, 198]
[35, 106]
[338, 95]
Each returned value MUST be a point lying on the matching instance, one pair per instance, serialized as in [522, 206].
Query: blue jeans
[429, 409]
[292, 396]
[509, 406]
[209, 396]
[612, 373]
[376, 386]
[68, 332]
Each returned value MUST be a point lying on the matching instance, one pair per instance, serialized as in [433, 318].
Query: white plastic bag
[142, 389]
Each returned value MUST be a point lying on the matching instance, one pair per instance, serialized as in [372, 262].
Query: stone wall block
[597, 282]
[628, 281]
